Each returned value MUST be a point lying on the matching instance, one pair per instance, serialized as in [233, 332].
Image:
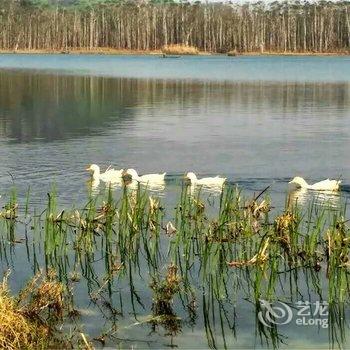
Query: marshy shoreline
[215, 248]
[128, 52]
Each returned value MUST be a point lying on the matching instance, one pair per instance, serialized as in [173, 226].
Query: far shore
[112, 51]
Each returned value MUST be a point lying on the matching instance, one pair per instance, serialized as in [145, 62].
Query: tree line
[212, 27]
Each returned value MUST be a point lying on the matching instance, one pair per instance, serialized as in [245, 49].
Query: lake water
[258, 121]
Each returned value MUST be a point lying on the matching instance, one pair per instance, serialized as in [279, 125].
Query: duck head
[299, 182]
[191, 177]
[94, 170]
[130, 174]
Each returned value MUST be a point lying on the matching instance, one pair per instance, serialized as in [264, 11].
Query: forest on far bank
[290, 26]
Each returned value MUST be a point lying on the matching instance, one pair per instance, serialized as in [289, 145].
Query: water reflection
[46, 107]
[247, 130]
[194, 190]
[258, 131]
[97, 187]
[156, 188]
[36, 107]
[304, 197]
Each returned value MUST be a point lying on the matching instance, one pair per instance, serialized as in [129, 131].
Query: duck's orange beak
[88, 169]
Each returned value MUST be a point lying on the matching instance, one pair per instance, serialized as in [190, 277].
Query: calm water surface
[222, 68]
[256, 120]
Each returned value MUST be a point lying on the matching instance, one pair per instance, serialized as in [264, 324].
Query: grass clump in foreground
[16, 330]
[29, 320]
[180, 50]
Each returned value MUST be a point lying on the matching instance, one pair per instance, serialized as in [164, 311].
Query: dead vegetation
[29, 320]
[163, 294]
[180, 50]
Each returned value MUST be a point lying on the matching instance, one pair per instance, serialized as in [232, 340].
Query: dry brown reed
[180, 50]
[25, 320]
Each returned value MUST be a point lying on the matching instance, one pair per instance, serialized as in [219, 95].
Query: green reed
[239, 233]
[221, 246]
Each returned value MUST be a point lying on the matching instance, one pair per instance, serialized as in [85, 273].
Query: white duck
[325, 185]
[148, 178]
[205, 181]
[110, 175]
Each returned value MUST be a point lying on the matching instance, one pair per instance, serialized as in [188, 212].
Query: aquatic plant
[163, 294]
[214, 248]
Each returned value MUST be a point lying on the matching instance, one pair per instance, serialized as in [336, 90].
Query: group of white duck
[117, 176]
